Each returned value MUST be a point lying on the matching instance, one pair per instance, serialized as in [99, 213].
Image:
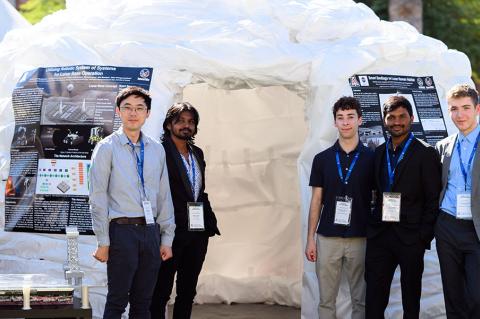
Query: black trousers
[458, 250]
[189, 250]
[384, 253]
[134, 259]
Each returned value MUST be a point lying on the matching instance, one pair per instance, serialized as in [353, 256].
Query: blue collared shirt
[456, 182]
[116, 189]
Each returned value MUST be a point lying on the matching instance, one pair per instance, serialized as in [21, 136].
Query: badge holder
[195, 216]
[391, 207]
[147, 211]
[343, 210]
[464, 206]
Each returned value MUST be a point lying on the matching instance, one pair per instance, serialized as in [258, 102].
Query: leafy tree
[35, 10]
[455, 22]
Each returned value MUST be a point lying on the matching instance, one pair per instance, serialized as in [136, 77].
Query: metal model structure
[71, 268]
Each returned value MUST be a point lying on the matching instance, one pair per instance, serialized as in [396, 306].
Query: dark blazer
[417, 178]
[446, 148]
[182, 192]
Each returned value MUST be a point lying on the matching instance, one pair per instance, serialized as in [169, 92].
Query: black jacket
[182, 192]
[418, 179]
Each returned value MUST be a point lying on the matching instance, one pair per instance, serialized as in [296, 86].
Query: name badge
[147, 211]
[391, 207]
[343, 210]
[464, 206]
[195, 216]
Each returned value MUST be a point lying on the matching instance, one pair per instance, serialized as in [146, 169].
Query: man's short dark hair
[173, 114]
[134, 90]
[347, 103]
[463, 90]
[396, 101]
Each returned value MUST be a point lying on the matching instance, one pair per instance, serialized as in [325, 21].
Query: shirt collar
[400, 146]
[124, 139]
[359, 147]
[471, 137]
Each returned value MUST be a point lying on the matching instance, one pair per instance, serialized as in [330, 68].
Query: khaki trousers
[335, 254]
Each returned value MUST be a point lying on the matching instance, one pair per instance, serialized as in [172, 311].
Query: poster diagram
[62, 177]
[61, 113]
[372, 90]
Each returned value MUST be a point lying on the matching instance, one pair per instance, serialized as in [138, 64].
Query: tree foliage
[454, 22]
[35, 10]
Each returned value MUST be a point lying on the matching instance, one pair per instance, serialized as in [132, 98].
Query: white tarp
[310, 48]
[10, 18]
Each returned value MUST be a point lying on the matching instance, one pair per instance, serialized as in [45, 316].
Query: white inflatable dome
[264, 75]
[10, 18]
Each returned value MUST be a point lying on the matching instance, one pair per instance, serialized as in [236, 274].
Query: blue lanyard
[192, 165]
[391, 173]
[350, 169]
[470, 160]
[140, 160]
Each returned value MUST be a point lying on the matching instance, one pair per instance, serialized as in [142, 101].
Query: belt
[446, 216]
[129, 221]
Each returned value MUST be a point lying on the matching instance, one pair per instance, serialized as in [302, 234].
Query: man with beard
[407, 178]
[194, 216]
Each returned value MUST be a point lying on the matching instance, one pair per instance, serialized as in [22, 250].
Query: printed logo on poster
[364, 80]
[144, 74]
[354, 81]
[428, 81]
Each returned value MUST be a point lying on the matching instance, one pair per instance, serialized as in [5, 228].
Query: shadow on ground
[242, 311]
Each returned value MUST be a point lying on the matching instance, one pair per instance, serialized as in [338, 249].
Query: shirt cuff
[103, 241]
[166, 240]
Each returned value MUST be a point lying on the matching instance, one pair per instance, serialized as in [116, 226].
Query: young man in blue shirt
[457, 230]
[342, 181]
[131, 206]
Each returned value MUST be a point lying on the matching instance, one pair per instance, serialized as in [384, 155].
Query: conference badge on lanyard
[391, 201]
[343, 210]
[464, 199]
[391, 207]
[140, 160]
[343, 204]
[464, 206]
[195, 216]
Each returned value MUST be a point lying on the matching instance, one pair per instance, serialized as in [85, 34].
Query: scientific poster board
[61, 113]
[372, 90]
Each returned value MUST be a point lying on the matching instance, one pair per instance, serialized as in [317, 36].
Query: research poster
[61, 113]
[373, 89]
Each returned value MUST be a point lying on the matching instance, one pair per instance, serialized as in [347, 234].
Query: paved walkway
[243, 311]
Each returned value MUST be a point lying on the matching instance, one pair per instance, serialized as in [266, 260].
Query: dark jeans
[189, 250]
[384, 253]
[133, 262]
[458, 251]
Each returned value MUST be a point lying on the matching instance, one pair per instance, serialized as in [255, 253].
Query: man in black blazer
[407, 178]
[457, 231]
[194, 216]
